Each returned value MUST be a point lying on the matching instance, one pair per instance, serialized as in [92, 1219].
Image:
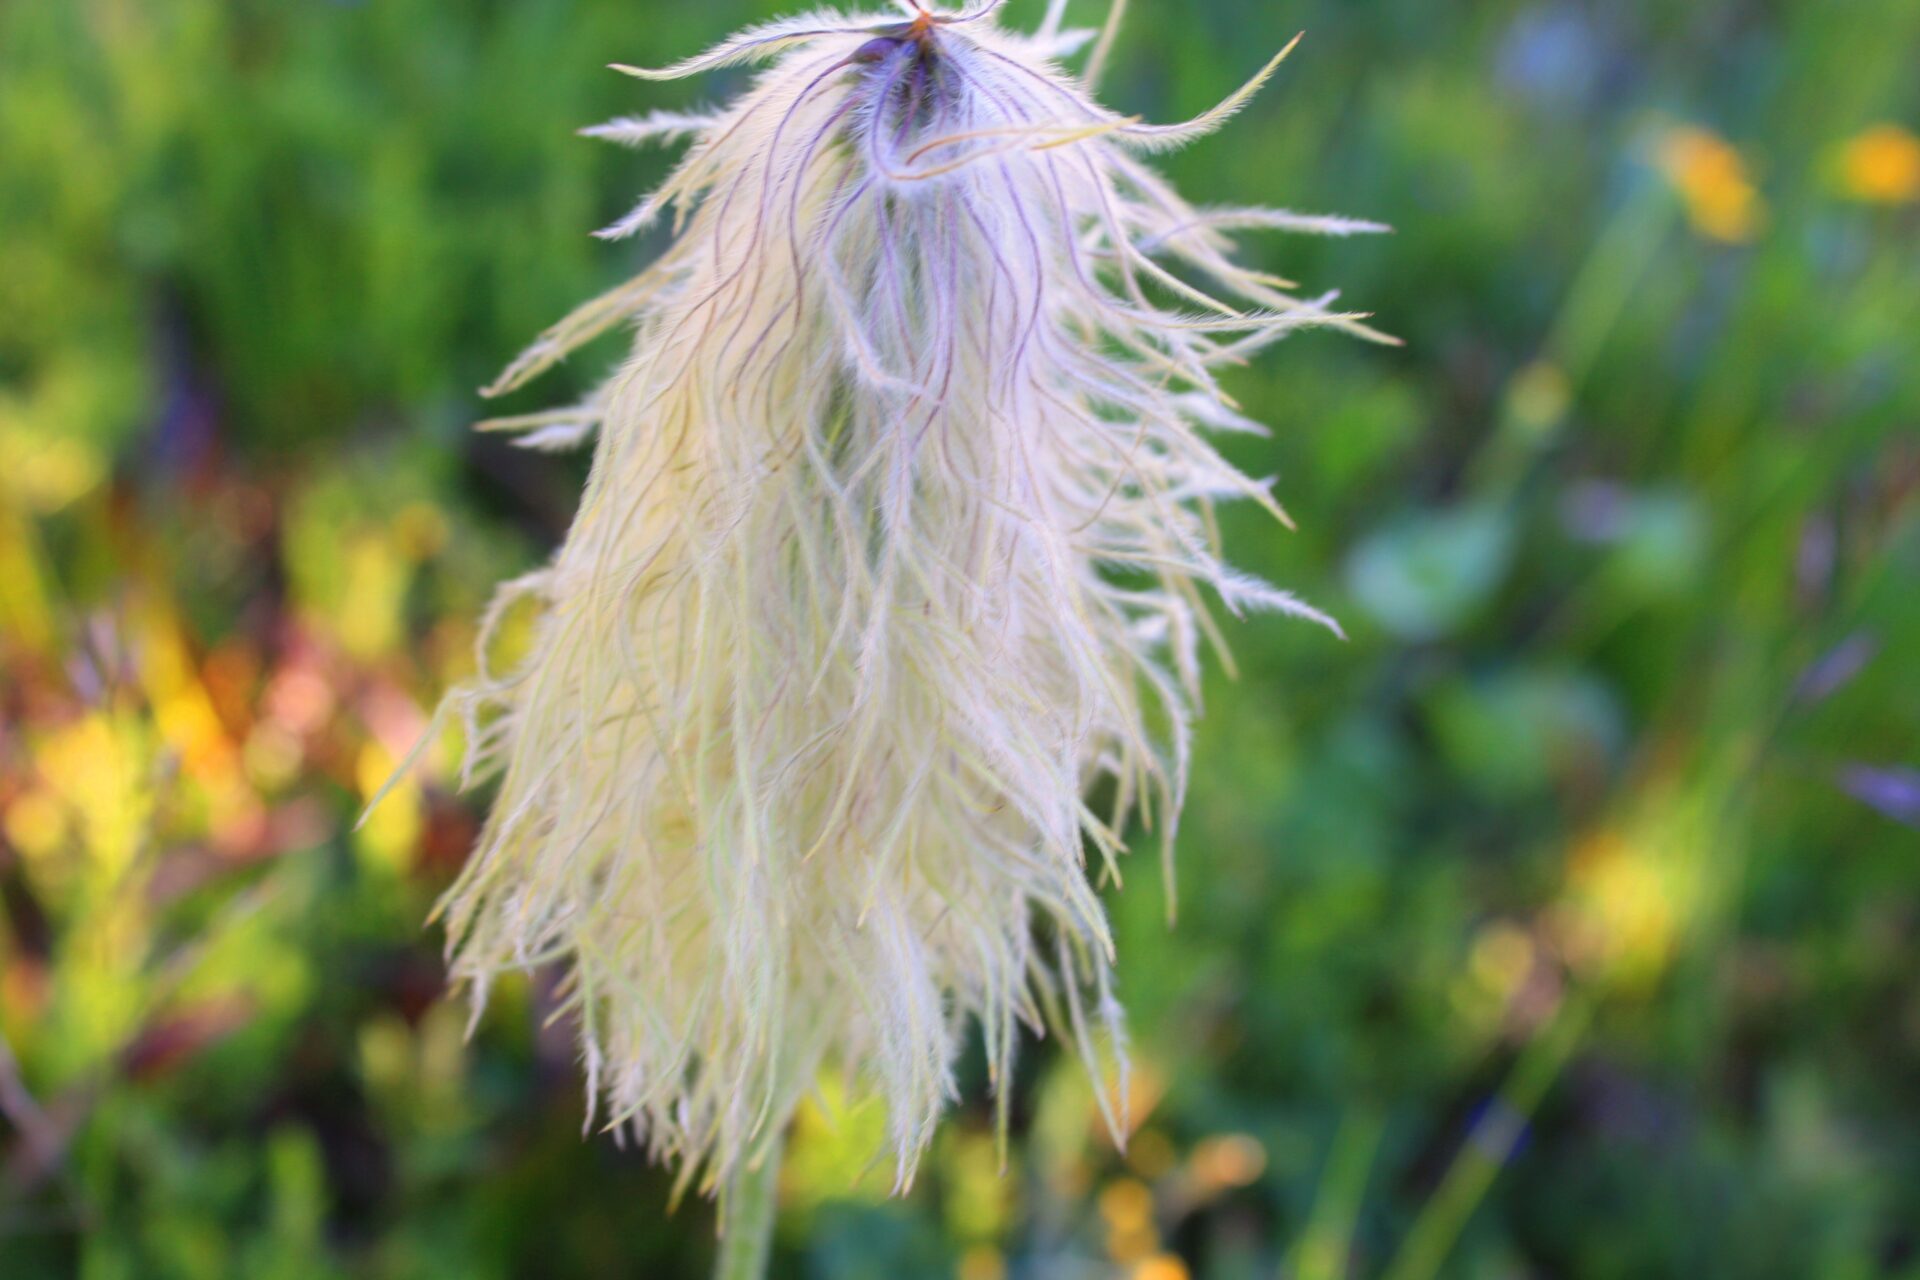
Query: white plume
[897, 540]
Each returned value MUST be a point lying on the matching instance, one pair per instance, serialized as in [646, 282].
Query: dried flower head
[895, 542]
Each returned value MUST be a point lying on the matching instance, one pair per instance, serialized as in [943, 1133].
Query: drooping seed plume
[897, 541]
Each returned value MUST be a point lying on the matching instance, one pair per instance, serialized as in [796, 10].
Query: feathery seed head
[895, 542]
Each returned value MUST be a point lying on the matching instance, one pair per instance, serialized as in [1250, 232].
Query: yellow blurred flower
[36, 824]
[1126, 1203]
[1881, 165]
[1625, 904]
[1127, 1208]
[1162, 1266]
[100, 769]
[1722, 202]
[389, 835]
[372, 620]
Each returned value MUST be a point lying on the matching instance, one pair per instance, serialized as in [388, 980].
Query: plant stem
[748, 1207]
[1490, 1143]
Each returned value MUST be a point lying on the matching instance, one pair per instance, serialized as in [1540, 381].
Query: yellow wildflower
[1881, 165]
[1162, 1266]
[1722, 202]
[1624, 908]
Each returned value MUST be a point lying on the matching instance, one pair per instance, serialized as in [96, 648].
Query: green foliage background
[1564, 923]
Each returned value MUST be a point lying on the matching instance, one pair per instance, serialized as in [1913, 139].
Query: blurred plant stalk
[1489, 1144]
[748, 1211]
